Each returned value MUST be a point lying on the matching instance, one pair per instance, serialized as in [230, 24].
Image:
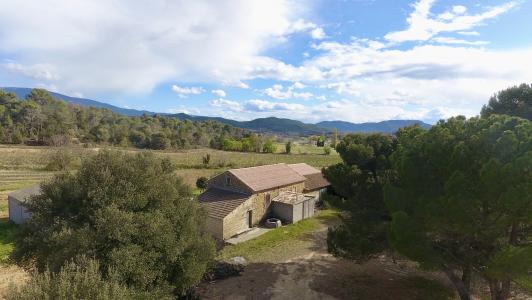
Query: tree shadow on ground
[324, 278]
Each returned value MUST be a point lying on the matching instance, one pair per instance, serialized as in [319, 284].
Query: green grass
[252, 249]
[7, 235]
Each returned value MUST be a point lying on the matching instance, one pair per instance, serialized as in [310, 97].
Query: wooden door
[250, 218]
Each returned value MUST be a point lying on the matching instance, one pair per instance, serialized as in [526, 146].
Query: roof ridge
[253, 167]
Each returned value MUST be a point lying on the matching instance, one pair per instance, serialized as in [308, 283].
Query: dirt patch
[11, 274]
[303, 269]
[324, 277]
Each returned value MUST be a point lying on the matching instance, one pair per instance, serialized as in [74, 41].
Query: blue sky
[353, 60]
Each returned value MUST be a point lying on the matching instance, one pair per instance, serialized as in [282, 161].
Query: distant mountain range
[271, 124]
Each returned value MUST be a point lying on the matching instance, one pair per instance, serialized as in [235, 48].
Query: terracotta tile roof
[315, 182]
[303, 169]
[24, 194]
[219, 203]
[263, 178]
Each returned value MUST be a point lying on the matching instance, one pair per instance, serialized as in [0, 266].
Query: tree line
[251, 143]
[43, 120]
[455, 198]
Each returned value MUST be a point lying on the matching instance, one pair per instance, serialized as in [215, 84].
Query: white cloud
[452, 76]
[277, 91]
[454, 41]
[185, 91]
[317, 33]
[263, 105]
[255, 105]
[459, 9]
[469, 33]
[298, 85]
[227, 104]
[44, 72]
[219, 93]
[120, 45]
[422, 26]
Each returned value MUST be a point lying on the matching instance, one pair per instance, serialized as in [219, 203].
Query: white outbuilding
[17, 210]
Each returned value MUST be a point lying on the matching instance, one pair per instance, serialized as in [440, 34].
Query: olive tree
[131, 213]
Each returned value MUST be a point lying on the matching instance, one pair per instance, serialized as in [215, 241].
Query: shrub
[206, 159]
[269, 147]
[59, 160]
[73, 281]
[201, 183]
[128, 211]
[288, 147]
[327, 150]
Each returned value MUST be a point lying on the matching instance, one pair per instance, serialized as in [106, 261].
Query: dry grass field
[22, 166]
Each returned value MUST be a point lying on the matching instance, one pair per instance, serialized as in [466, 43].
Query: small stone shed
[292, 207]
[16, 200]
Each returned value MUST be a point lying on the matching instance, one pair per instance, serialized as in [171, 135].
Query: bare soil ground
[302, 269]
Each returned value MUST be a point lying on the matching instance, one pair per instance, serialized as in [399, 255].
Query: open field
[21, 166]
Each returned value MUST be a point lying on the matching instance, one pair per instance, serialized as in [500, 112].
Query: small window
[227, 180]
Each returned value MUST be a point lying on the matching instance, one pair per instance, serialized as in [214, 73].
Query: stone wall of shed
[236, 221]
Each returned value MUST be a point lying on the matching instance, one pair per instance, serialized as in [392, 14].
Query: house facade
[240, 199]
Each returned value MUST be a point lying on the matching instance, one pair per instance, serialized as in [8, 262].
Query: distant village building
[16, 200]
[239, 199]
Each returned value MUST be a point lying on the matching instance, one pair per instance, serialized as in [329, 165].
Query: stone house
[240, 199]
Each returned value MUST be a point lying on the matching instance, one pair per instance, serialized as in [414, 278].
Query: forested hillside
[42, 119]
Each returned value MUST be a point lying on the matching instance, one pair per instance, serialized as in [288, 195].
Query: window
[227, 180]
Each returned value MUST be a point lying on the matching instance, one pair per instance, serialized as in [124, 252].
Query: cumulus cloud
[422, 26]
[277, 91]
[227, 104]
[185, 91]
[117, 46]
[255, 105]
[37, 71]
[219, 93]
[317, 33]
[263, 105]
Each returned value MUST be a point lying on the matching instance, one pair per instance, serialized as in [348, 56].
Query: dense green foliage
[358, 182]
[462, 203]
[74, 281]
[514, 101]
[131, 213]
[288, 147]
[455, 198]
[250, 143]
[41, 119]
[202, 182]
[269, 147]
[327, 150]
